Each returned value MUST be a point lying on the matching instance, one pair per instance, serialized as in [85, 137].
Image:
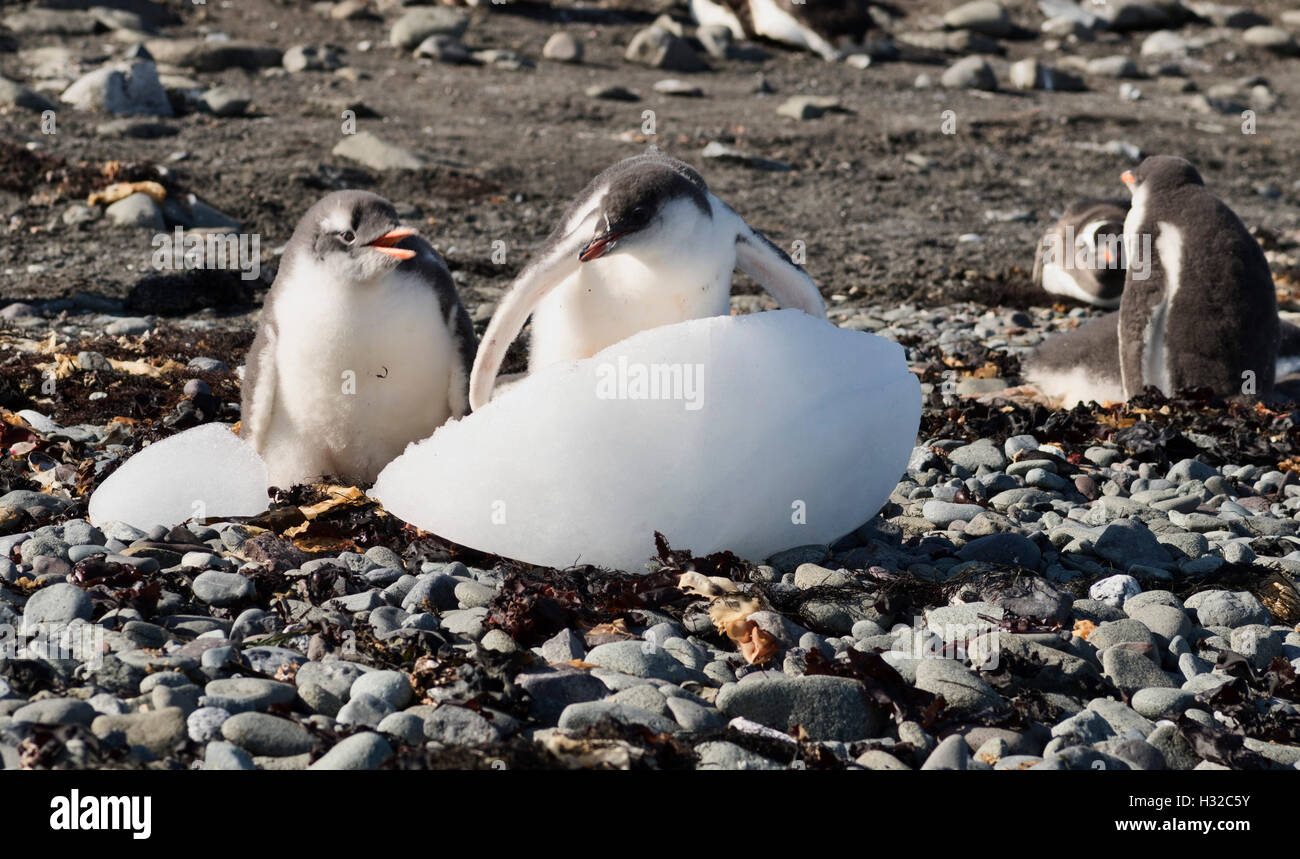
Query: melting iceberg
[751, 433]
[201, 472]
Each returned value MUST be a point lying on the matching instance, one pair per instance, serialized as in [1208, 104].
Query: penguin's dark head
[356, 233]
[1161, 173]
[655, 200]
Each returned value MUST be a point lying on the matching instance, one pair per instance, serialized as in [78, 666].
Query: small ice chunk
[750, 433]
[201, 472]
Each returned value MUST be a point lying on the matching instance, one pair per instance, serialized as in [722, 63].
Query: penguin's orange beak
[385, 243]
[1127, 177]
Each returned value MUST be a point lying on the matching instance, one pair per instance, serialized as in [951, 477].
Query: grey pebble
[204, 724]
[394, 687]
[223, 589]
[263, 734]
[219, 755]
[363, 751]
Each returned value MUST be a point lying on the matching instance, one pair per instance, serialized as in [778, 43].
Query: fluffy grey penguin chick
[1082, 255]
[363, 346]
[1204, 311]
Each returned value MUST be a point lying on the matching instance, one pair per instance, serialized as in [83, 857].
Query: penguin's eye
[348, 237]
[639, 214]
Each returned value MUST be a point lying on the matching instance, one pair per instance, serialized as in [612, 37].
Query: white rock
[204, 471]
[130, 89]
[1114, 590]
[794, 420]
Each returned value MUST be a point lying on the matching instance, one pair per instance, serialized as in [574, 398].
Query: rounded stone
[244, 694]
[160, 731]
[391, 686]
[1160, 703]
[1163, 620]
[1258, 643]
[223, 589]
[407, 727]
[1227, 608]
[325, 686]
[58, 603]
[963, 689]
[204, 724]
[56, 711]
[225, 756]
[364, 751]
[262, 734]
[563, 47]
[828, 708]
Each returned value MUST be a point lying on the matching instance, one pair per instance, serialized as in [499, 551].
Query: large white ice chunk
[783, 431]
[204, 471]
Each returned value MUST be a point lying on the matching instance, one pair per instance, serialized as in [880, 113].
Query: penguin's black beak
[602, 243]
[385, 244]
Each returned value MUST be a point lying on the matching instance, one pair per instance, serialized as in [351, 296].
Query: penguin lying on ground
[1198, 307]
[820, 26]
[363, 346]
[645, 244]
[1082, 255]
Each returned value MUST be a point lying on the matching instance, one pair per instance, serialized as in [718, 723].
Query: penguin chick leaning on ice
[645, 244]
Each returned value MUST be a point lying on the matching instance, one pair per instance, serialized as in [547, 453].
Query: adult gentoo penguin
[1205, 313]
[645, 244]
[819, 26]
[363, 346]
[1082, 255]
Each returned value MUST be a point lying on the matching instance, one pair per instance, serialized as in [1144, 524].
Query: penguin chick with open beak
[363, 346]
[645, 244]
[1082, 255]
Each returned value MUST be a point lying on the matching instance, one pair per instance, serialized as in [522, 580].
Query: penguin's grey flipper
[1079, 366]
[462, 329]
[257, 403]
[772, 267]
[1141, 310]
[429, 265]
[557, 261]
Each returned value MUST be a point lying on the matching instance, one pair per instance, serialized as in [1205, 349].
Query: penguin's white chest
[362, 369]
[708, 13]
[612, 298]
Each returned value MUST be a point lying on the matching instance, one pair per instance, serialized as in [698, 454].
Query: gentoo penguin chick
[1079, 366]
[645, 244]
[1082, 255]
[363, 346]
[1201, 311]
[819, 26]
[1082, 365]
